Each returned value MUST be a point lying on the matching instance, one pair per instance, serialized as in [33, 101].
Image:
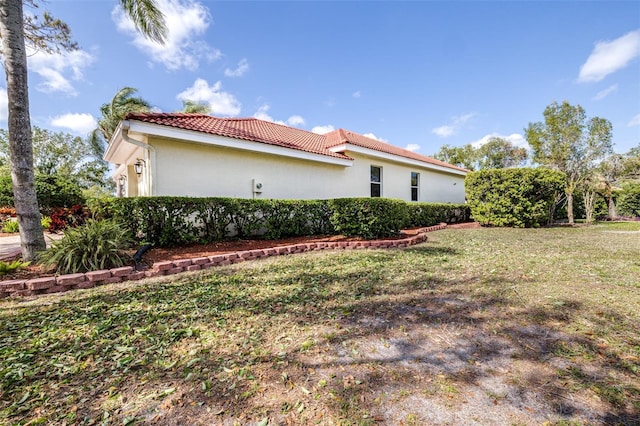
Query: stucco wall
[200, 170]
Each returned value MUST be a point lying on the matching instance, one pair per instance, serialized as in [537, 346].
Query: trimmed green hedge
[520, 198]
[429, 214]
[171, 221]
[368, 217]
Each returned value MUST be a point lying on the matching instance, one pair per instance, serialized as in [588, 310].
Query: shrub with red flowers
[62, 218]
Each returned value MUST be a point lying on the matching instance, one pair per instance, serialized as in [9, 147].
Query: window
[415, 184]
[376, 181]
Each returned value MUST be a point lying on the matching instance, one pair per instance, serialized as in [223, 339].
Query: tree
[568, 142]
[631, 165]
[609, 172]
[462, 156]
[64, 155]
[194, 107]
[122, 103]
[147, 18]
[499, 153]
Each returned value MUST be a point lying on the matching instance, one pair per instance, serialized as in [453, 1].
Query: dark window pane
[414, 194]
[414, 178]
[375, 189]
[376, 173]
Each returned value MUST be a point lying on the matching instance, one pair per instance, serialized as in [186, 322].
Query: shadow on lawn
[370, 333]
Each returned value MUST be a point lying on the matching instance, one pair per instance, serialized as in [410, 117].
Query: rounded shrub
[519, 198]
[96, 245]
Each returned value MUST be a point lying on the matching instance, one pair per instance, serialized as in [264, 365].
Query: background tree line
[579, 147]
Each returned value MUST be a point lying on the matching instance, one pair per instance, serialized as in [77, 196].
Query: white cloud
[261, 113]
[452, 128]
[356, 94]
[243, 67]
[294, 120]
[59, 70]
[606, 92]
[372, 136]
[413, 147]
[515, 138]
[444, 131]
[219, 102]
[610, 56]
[461, 119]
[78, 123]
[186, 21]
[4, 104]
[635, 121]
[321, 130]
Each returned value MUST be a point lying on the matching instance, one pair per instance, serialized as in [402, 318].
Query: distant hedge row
[169, 221]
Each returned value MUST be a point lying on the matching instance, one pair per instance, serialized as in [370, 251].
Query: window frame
[415, 187]
[372, 182]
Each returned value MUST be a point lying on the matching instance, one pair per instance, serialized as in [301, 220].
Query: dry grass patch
[478, 326]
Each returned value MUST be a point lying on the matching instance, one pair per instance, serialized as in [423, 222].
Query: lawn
[481, 326]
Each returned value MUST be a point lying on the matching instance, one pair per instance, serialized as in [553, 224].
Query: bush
[52, 191]
[629, 201]
[45, 222]
[170, 221]
[368, 217]
[8, 267]
[429, 214]
[63, 218]
[10, 226]
[513, 197]
[93, 246]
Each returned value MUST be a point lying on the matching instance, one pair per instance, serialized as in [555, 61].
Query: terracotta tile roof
[249, 129]
[253, 129]
[341, 136]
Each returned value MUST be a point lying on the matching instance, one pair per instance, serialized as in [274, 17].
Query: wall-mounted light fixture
[138, 165]
[122, 179]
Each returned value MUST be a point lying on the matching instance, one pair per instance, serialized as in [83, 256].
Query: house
[199, 155]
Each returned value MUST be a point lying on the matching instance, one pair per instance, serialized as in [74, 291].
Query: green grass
[258, 340]
[618, 226]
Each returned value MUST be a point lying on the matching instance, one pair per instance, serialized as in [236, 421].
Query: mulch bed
[203, 250]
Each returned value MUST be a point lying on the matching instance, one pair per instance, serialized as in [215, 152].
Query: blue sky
[417, 74]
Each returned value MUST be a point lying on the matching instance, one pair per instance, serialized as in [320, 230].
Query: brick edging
[62, 283]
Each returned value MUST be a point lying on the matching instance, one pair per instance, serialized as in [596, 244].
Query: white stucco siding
[191, 169]
[199, 170]
[434, 186]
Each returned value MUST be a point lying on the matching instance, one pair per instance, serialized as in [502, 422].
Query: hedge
[520, 197]
[171, 221]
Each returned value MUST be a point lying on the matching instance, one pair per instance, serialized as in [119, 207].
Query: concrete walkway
[10, 244]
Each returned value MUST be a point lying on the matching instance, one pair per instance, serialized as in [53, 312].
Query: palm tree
[147, 18]
[194, 107]
[122, 103]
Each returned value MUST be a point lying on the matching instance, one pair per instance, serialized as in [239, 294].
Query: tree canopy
[569, 142]
[497, 153]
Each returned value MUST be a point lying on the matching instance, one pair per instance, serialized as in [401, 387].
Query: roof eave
[397, 158]
[193, 136]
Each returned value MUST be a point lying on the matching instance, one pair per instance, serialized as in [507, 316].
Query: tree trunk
[20, 144]
[570, 208]
[612, 208]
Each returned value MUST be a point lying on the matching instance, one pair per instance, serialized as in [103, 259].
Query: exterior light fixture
[138, 165]
[122, 179]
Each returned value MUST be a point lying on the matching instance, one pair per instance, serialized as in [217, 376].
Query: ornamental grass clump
[96, 245]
